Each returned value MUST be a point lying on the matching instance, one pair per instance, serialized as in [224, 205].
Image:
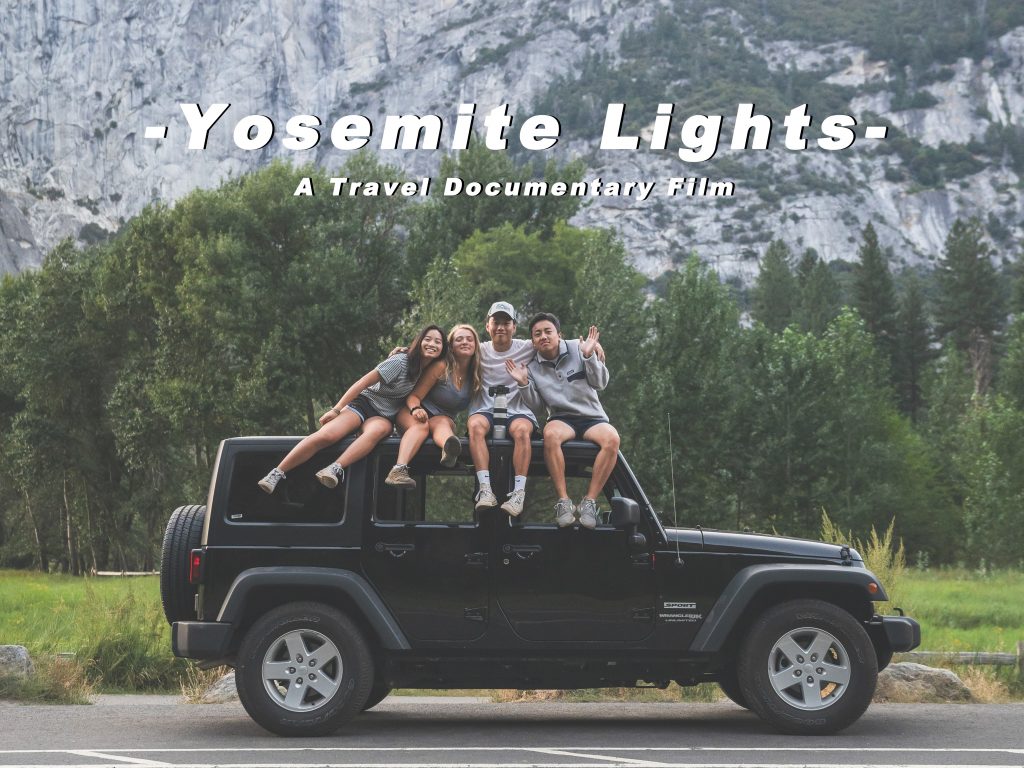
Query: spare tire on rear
[184, 533]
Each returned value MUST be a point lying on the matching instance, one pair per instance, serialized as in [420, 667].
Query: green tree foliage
[990, 458]
[689, 365]
[969, 305]
[245, 309]
[912, 350]
[874, 295]
[443, 223]
[825, 435]
[775, 292]
[819, 294]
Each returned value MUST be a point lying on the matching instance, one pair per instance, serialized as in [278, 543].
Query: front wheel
[304, 670]
[808, 667]
[730, 686]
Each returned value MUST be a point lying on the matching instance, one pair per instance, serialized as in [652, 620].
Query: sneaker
[269, 483]
[514, 504]
[450, 452]
[588, 513]
[485, 498]
[565, 513]
[399, 475]
[331, 475]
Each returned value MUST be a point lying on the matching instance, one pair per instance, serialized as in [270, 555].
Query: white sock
[520, 483]
[483, 477]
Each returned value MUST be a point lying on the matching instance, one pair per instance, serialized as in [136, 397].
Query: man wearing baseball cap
[501, 327]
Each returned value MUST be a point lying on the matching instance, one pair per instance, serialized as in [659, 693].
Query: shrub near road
[121, 641]
[114, 627]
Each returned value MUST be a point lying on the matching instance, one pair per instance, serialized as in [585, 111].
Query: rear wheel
[808, 667]
[304, 670]
[184, 533]
[378, 693]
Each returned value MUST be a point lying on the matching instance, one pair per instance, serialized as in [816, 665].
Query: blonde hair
[474, 361]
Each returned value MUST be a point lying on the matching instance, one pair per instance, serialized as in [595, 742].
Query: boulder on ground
[222, 691]
[910, 683]
[15, 662]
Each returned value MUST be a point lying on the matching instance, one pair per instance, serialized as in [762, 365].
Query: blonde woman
[444, 389]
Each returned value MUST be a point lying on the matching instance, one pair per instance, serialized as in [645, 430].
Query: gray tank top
[444, 399]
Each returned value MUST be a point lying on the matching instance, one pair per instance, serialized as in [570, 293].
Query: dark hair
[415, 352]
[541, 317]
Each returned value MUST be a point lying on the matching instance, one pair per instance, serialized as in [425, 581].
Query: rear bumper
[902, 632]
[200, 639]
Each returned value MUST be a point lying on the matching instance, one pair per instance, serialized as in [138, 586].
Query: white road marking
[616, 760]
[124, 760]
[515, 765]
[589, 748]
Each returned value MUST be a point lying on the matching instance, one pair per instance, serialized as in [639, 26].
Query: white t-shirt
[494, 374]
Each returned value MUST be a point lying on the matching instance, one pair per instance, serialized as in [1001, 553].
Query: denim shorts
[363, 408]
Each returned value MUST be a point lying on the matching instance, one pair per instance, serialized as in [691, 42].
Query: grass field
[110, 631]
[115, 630]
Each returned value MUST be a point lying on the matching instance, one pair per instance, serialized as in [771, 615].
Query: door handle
[395, 550]
[522, 551]
[476, 558]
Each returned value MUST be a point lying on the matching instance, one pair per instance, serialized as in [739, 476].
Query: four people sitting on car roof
[422, 390]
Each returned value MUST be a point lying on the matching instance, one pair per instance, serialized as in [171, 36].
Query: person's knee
[611, 441]
[478, 427]
[521, 430]
[377, 428]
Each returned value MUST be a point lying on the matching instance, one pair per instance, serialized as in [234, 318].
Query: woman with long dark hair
[375, 402]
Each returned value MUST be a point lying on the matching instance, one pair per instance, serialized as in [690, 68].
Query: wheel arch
[258, 590]
[757, 588]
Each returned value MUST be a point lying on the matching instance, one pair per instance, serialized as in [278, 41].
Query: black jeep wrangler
[324, 600]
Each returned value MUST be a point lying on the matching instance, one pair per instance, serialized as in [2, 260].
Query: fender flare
[348, 583]
[745, 585]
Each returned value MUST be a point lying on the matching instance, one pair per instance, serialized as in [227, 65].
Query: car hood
[761, 544]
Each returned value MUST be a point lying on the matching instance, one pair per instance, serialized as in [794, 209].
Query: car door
[571, 584]
[425, 552]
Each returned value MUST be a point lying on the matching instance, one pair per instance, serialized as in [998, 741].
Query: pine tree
[819, 294]
[775, 292]
[913, 349]
[969, 308]
[874, 295]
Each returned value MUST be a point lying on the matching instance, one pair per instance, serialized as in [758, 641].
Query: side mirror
[625, 512]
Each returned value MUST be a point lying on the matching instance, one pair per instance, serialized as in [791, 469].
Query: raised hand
[587, 346]
[518, 372]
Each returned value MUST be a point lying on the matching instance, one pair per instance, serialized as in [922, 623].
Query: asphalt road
[414, 732]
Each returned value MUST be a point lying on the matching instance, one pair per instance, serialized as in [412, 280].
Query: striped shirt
[388, 395]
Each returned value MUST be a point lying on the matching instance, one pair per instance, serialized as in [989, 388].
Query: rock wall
[80, 80]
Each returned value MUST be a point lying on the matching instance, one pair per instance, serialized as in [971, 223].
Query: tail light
[195, 566]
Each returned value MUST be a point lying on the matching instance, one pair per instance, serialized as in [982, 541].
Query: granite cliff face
[80, 80]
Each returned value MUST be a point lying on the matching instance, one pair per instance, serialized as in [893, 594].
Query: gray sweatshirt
[567, 385]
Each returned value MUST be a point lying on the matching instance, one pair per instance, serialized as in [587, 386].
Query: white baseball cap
[502, 306]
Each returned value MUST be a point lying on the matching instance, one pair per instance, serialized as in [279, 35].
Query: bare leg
[330, 433]
[556, 433]
[375, 429]
[479, 426]
[607, 439]
[440, 429]
[412, 439]
[521, 431]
